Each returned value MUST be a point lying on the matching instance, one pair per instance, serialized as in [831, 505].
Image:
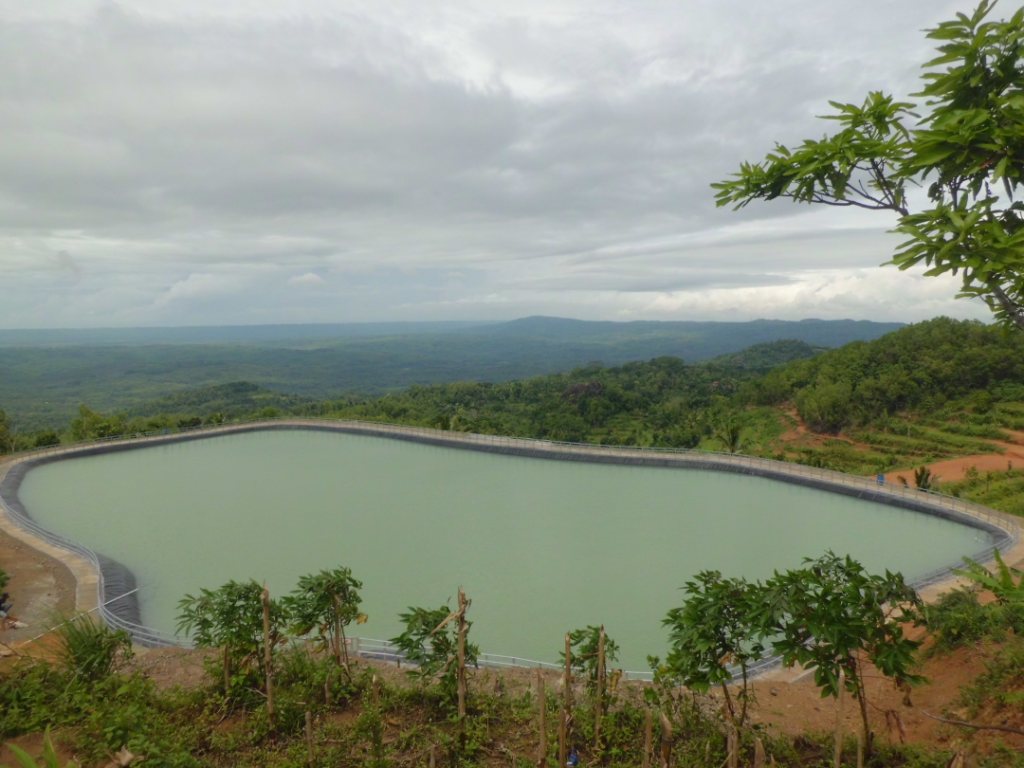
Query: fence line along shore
[108, 588]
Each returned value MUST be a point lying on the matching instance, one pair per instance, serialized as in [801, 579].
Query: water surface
[540, 546]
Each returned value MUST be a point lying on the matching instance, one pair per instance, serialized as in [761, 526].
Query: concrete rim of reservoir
[108, 588]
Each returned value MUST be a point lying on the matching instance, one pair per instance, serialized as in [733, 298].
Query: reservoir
[540, 546]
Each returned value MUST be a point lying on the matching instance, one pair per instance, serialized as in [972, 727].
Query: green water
[541, 547]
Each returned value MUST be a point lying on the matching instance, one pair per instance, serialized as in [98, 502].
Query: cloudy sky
[179, 162]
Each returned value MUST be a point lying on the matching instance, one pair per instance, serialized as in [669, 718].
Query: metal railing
[385, 650]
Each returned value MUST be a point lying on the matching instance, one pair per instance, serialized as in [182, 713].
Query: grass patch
[999, 490]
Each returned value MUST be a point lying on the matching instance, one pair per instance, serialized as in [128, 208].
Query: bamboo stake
[837, 757]
[648, 737]
[599, 695]
[860, 749]
[461, 672]
[542, 704]
[340, 646]
[758, 753]
[666, 741]
[227, 671]
[310, 752]
[267, 653]
[563, 724]
[563, 729]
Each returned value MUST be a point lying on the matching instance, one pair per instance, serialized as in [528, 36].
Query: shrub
[957, 619]
[91, 650]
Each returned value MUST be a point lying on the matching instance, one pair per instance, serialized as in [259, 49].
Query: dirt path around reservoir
[42, 588]
[956, 469]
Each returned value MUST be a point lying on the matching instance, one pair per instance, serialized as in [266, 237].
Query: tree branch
[975, 726]
[1013, 309]
[845, 203]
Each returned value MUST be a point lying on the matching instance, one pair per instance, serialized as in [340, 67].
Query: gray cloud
[306, 161]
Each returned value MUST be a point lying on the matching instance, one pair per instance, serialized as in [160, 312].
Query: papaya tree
[831, 616]
[231, 618]
[713, 635]
[584, 647]
[432, 640]
[326, 602]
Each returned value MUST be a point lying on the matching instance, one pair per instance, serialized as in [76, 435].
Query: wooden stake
[461, 672]
[564, 721]
[542, 714]
[310, 752]
[732, 747]
[599, 694]
[666, 741]
[432, 760]
[563, 729]
[860, 749]
[648, 737]
[758, 753]
[837, 756]
[340, 646]
[227, 671]
[267, 653]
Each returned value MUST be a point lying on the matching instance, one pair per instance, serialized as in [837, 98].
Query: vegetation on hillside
[933, 390]
[42, 386]
[268, 702]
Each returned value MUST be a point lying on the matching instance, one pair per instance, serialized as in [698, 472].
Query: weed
[48, 759]
[90, 649]
[957, 618]
[1001, 685]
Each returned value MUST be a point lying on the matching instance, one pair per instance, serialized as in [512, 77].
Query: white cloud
[307, 280]
[160, 156]
[199, 285]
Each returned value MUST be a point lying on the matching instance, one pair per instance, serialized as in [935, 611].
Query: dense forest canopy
[48, 374]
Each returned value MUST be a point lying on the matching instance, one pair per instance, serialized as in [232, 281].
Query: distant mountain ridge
[828, 333]
[217, 334]
[42, 385]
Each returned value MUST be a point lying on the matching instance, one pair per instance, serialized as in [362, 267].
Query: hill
[47, 374]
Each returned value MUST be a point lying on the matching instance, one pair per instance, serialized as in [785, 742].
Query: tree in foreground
[967, 151]
[712, 635]
[231, 618]
[585, 659]
[327, 602]
[436, 641]
[831, 616]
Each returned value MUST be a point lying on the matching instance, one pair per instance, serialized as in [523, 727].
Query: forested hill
[920, 368]
[926, 391]
[47, 374]
[658, 402]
